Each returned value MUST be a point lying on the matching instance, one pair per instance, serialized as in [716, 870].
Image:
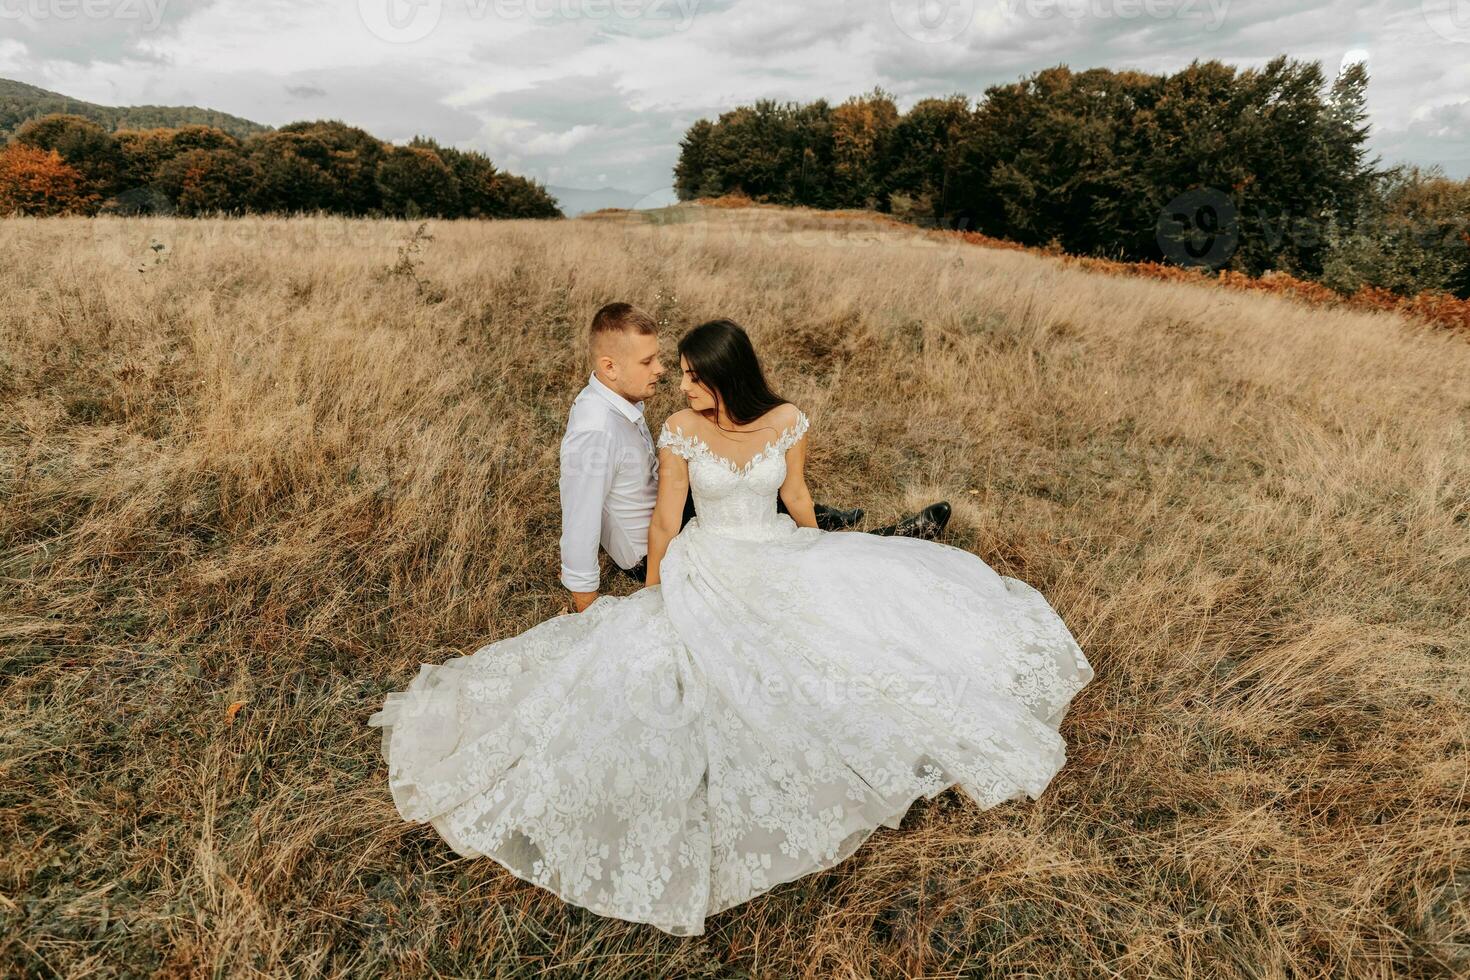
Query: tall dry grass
[251, 482]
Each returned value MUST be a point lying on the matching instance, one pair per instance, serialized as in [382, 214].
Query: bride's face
[701, 399]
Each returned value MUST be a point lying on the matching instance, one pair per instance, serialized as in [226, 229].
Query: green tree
[145, 151]
[1097, 161]
[777, 152]
[1093, 159]
[695, 175]
[1304, 159]
[474, 174]
[927, 154]
[520, 197]
[1053, 158]
[751, 153]
[291, 172]
[809, 135]
[414, 182]
[352, 162]
[1412, 236]
[206, 181]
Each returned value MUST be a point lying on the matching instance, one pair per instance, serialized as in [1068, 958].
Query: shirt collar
[634, 413]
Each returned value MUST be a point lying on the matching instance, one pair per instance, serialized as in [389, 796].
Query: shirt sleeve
[587, 469]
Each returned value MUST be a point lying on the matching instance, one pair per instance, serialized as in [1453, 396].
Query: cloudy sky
[597, 93]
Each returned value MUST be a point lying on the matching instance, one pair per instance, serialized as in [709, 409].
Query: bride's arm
[794, 492]
[668, 509]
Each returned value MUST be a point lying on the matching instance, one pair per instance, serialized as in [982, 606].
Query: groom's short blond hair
[618, 318]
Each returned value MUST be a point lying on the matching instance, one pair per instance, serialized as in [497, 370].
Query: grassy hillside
[19, 102]
[249, 482]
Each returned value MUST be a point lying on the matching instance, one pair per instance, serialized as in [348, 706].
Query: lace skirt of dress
[664, 756]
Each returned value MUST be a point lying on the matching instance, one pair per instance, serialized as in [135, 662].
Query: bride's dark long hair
[722, 358]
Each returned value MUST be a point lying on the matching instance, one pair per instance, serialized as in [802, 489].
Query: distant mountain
[580, 200]
[20, 102]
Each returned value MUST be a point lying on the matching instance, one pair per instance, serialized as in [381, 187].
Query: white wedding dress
[666, 755]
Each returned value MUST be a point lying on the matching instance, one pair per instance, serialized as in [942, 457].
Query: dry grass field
[250, 479]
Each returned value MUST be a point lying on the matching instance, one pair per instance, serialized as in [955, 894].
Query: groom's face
[637, 367]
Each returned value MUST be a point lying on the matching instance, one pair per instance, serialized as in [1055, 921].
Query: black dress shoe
[832, 519]
[928, 523]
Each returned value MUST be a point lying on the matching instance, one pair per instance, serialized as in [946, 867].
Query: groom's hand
[581, 600]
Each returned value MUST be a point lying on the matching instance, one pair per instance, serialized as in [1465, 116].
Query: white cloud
[591, 92]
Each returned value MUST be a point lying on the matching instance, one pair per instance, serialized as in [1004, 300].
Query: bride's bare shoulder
[785, 416]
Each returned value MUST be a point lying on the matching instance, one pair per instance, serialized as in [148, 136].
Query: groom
[609, 464]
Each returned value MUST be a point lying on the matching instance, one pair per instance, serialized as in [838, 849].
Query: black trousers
[826, 520]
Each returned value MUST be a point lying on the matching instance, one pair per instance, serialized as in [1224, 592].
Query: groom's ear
[608, 352]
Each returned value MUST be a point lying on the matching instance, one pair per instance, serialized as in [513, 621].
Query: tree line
[67, 164]
[20, 102]
[1254, 170]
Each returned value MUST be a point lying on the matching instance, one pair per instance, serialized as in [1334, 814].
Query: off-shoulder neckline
[796, 428]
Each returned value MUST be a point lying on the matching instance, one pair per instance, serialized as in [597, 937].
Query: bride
[772, 696]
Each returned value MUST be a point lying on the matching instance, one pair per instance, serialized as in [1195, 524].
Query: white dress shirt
[609, 482]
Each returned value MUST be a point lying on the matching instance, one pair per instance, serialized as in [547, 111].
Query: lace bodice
[738, 501]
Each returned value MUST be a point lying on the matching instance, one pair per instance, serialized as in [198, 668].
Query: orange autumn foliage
[1441, 309]
[39, 182]
[732, 199]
